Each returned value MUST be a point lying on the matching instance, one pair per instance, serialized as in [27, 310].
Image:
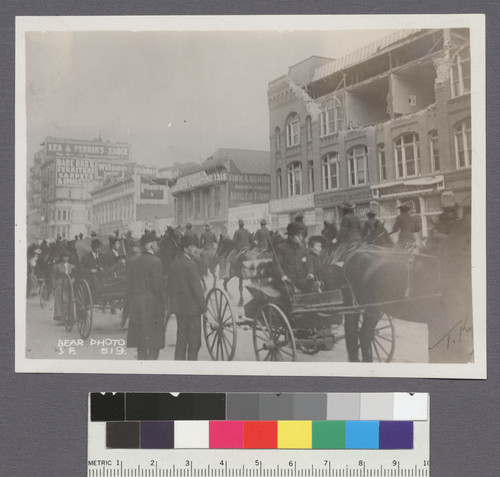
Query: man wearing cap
[242, 240]
[60, 270]
[191, 233]
[292, 267]
[146, 301]
[93, 265]
[261, 236]
[208, 241]
[349, 233]
[407, 225]
[187, 301]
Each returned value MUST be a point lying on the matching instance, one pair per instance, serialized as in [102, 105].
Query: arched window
[463, 143]
[460, 73]
[294, 179]
[311, 176]
[407, 155]
[292, 130]
[332, 118]
[434, 150]
[277, 139]
[382, 165]
[279, 184]
[330, 169]
[357, 164]
[309, 132]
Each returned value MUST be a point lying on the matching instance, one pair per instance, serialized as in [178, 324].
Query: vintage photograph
[251, 195]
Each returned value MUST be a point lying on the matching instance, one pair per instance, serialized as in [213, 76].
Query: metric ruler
[138, 444]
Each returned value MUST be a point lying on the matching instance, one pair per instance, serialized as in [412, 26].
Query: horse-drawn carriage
[379, 283]
[83, 292]
[281, 326]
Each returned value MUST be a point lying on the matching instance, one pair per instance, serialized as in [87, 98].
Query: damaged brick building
[386, 124]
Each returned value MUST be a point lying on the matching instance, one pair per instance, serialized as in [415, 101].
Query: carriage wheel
[273, 338]
[310, 350]
[44, 295]
[383, 339]
[67, 303]
[219, 326]
[83, 308]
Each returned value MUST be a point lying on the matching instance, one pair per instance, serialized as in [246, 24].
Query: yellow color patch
[294, 434]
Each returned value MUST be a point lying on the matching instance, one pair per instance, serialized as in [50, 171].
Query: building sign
[251, 215]
[254, 188]
[334, 198]
[142, 170]
[152, 188]
[71, 171]
[418, 186]
[87, 150]
[290, 204]
[198, 179]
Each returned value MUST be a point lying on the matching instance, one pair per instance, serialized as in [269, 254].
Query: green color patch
[328, 435]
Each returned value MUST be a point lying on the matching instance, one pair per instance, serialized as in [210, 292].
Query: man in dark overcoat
[93, 265]
[146, 301]
[187, 301]
[407, 225]
[261, 237]
[292, 266]
[349, 233]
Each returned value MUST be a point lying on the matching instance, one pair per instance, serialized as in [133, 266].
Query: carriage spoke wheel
[273, 338]
[67, 304]
[219, 326]
[383, 340]
[83, 308]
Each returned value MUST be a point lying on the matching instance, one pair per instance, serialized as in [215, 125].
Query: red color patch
[260, 434]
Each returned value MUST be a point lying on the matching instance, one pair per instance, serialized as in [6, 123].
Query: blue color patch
[361, 434]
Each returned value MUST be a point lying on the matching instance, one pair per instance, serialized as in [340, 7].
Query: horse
[207, 263]
[236, 267]
[432, 286]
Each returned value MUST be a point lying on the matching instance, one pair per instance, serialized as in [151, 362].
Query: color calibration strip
[107, 407]
[259, 435]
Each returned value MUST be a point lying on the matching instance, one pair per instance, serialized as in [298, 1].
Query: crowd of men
[166, 272]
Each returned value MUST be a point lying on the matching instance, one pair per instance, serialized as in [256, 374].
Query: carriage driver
[291, 265]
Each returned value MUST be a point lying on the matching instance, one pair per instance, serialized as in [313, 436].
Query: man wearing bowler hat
[292, 266]
[349, 233]
[146, 301]
[93, 265]
[407, 225]
[187, 301]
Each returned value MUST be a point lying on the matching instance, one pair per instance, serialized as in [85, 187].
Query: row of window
[120, 209]
[332, 119]
[200, 204]
[406, 156]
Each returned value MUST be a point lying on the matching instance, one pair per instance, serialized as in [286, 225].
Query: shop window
[357, 164]
[460, 73]
[309, 133]
[279, 184]
[382, 165]
[294, 179]
[406, 153]
[311, 176]
[178, 202]
[330, 168]
[463, 143]
[434, 150]
[293, 130]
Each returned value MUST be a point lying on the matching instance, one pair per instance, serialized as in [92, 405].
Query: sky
[174, 96]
